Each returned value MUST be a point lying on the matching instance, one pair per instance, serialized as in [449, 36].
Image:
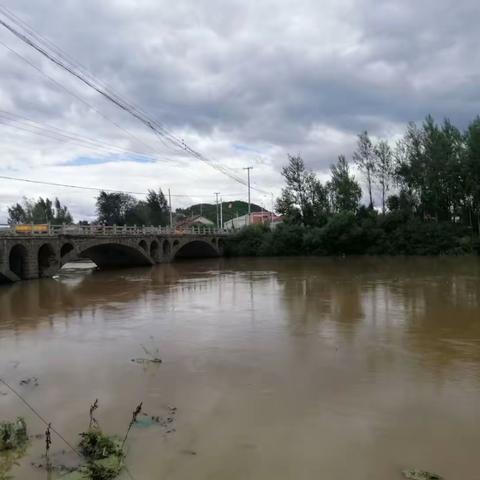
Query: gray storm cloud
[272, 76]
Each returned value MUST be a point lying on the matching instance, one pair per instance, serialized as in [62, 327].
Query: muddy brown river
[279, 369]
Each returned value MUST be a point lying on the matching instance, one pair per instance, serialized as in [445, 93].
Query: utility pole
[170, 208]
[273, 207]
[249, 203]
[216, 204]
[221, 212]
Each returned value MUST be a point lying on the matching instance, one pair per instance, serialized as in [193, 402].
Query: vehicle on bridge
[31, 228]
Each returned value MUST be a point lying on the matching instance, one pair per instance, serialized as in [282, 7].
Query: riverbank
[349, 234]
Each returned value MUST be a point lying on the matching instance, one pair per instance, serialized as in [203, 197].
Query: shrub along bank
[365, 233]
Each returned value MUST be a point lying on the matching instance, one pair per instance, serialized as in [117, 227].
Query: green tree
[364, 158]
[287, 207]
[39, 211]
[431, 169]
[319, 202]
[114, 208]
[293, 201]
[472, 173]
[158, 211]
[345, 192]
[383, 168]
[17, 214]
[304, 199]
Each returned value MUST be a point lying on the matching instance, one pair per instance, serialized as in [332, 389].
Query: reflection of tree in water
[429, 306]
[25, 304]
[442, 311]
[315, 290]
[77, 292]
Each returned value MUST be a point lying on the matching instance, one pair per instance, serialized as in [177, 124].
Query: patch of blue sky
[111, 158]
[245, 148]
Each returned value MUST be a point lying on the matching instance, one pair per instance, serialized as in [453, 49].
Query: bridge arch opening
[155, 250]
[197, 249]
[166, 248]
[18, 261]
[66, 249]
[143, 245]
[46, 259]
[114, 255]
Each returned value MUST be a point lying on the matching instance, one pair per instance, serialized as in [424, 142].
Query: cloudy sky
[243, 82]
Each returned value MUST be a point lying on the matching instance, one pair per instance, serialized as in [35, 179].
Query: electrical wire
[56, 133]
[37, 414]
[49, 424]
[57, 57]
[77, 97]
[96, 189]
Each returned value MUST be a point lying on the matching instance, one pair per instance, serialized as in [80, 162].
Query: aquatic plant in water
[8, 459]
[13, 445]
[13, 435]
[103, 454]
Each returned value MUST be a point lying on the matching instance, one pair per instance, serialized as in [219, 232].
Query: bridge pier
[24, 257]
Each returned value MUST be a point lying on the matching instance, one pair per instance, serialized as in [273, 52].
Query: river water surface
[279, 369]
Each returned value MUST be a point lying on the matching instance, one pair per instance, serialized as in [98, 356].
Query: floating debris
[414, 474]
[147, 360]
[29, 381]
[152, 354]
[147, 420]
[188, 452]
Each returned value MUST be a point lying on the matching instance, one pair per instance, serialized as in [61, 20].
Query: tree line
[423, 197]
[433, 172]
[112, 208]
[124, 209]
[39, 211]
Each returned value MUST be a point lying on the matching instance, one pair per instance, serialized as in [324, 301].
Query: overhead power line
[76, 96]
[97, 189]
[56, 56]
[26, 124]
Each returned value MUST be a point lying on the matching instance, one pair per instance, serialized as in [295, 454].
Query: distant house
[255, 218]
[196, 221]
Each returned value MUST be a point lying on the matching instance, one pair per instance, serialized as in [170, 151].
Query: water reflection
[281, 368]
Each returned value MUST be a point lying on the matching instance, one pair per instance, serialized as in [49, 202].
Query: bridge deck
[34, 251]
[102, 230]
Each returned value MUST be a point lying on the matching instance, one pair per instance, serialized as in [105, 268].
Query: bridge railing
[105, 230]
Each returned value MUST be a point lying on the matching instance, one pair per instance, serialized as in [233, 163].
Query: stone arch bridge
[37, 254]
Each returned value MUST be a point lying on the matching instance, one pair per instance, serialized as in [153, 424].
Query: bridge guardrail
[107, 230]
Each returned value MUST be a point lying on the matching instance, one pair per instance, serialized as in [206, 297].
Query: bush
[247, 242]
[395, 233]
[284, 240]
[94, 445]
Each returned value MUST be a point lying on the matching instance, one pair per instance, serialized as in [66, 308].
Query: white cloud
[273, 77]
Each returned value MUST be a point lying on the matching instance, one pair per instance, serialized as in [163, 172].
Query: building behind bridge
[255, 218]
[195, 221]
